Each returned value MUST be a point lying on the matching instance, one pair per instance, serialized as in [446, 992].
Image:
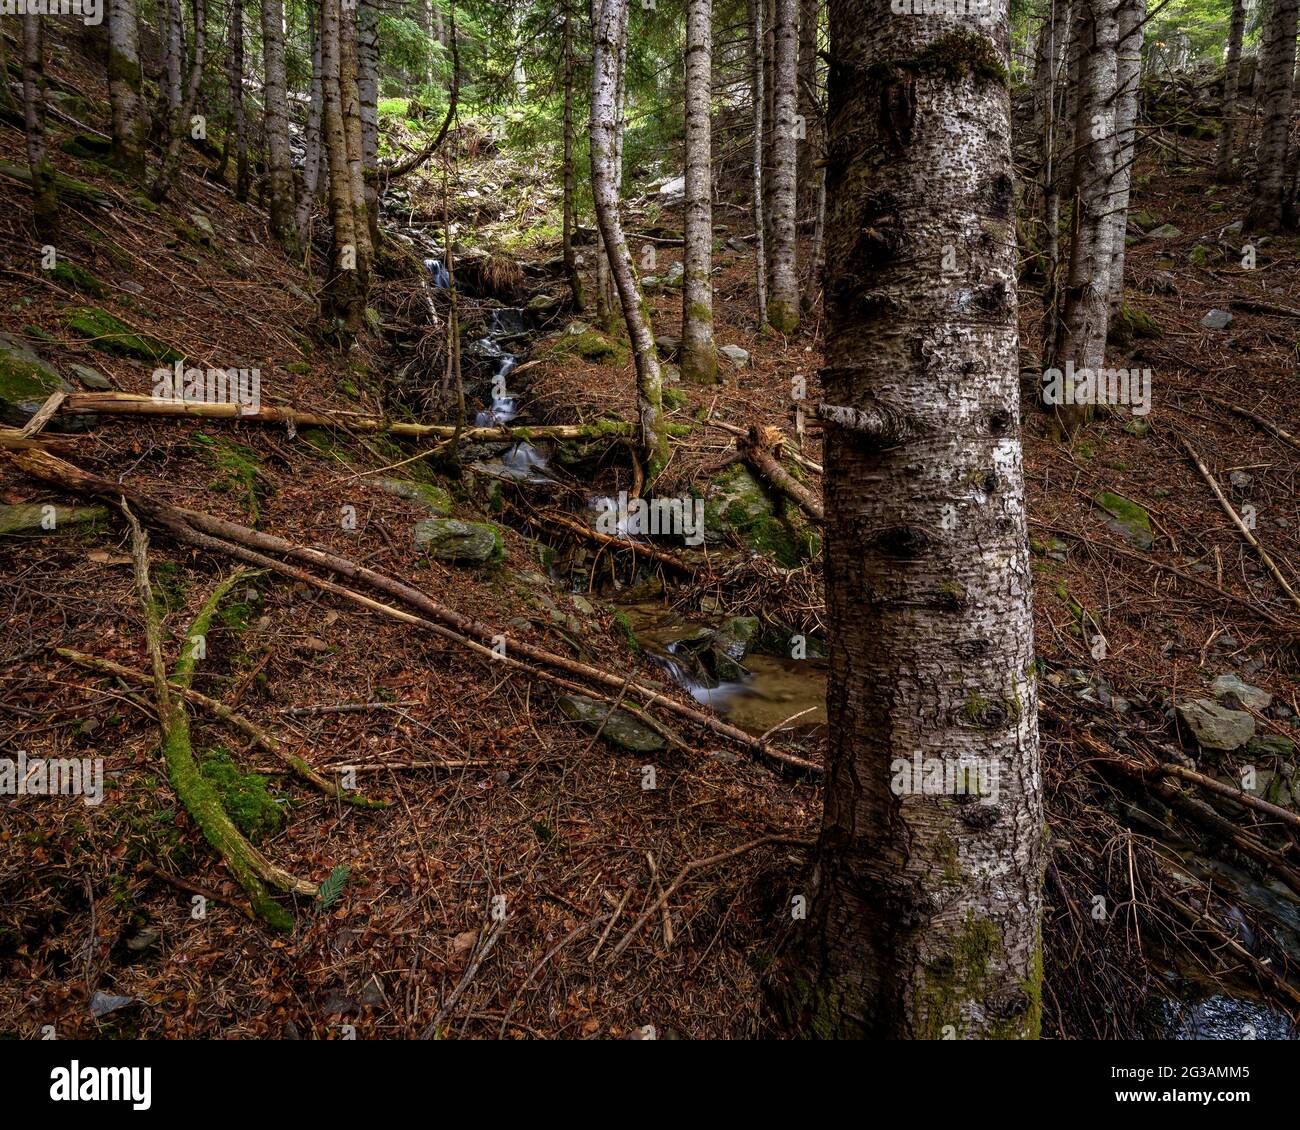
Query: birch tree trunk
[1274, 84]
[783, 302]
[179, 124]
[608, 28]
[130, 123]
[344, 304]
[925, 903]
[312, 160]
[699, 355]
[570, 259]
[1223, 170]
[1085, 306]
[758, 101]
[1128, 74]
[276, 125]
[45, 203]
[1053, 48]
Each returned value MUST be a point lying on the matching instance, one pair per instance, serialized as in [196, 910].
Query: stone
[676, 274]
[144, 939]
[424, 495]
[1233, 693]
[101, 1004]
[674, 187]
[1164, 231]
[670, 373]
[620, 727]
[90, 378]
[1217, 320]
[737, 356]
[449, 539]
[204, 225]
[1216, 727]
[1127, 519]
[542, 303]
[1240, 480]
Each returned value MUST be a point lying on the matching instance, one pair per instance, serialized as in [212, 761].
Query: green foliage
[243, 795]
[331, 888]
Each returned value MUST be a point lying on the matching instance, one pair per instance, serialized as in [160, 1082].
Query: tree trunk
[235, 87]
[349, 90]
[783, 302]
[344, 304]
[608, 29]
[1274, 84]
[699, 355]
[808, 108]
[1085, 309]
[570, 259]
[276, 125]
[171, 37]
[312, 161]
[1223, 170]
[1128, 74]
[368, 93]
[45, 202]
[1053, 49]
[925, 903]
[130, 123]
[179, 124]
[758, 102]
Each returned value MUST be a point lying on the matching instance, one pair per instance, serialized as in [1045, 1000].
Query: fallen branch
[761, 449]
[736, 430]
[480, 955]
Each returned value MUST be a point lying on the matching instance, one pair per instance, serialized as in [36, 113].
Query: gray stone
[670, 373]
[676, 273]
[449, 539]
[91, 378]
[144, 939]
[1217, 320]
[1240, 480]
[204, 225]
[1232, 692]
[1214, 726]
[101, 1004]
[542, 303]
[1164, 231]
[620, 728]
[737, 356]
[424, 495]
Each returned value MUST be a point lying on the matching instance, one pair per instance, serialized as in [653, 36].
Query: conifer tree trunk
[1128, 74]
[1274, 84]
[783, 302]
[179, 124]
[344, 304]
[353, 134]
[925, 900]
[276, 125]
[368, 95]
[235, 89]
[608, 30]
[570, 258]
[808, 109]
[1223, 170]
[130, 123]
[758, 103]
[45, 203]
[313, 160]
[699, 356]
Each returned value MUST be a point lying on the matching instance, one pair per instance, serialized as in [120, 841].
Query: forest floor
[492, 790]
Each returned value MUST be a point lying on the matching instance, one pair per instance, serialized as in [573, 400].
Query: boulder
[449, 539]
[1233, 693]
[424, 495]
[1217, 320]
[620, 727]
[1216, 727]
[737, 356]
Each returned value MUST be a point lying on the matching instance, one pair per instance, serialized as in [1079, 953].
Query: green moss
[956, 977]
[781, 316]
[110, 334]
[591, 345]
[243, 795]
[22, 379]
[624, 625]
[674, 398]
[79, 279]
[1130, 323]
[298, 367]
[964, 54]
[237, 468]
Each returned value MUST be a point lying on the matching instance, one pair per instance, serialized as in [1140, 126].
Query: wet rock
[1216, 727]
[737, 356]
[1217, 320]
[424, 495]
[449, 539]
[1233, 693]
[620, 728]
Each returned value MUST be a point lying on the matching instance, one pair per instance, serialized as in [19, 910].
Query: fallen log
[761, 449]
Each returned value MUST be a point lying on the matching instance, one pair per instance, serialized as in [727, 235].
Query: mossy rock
[619, 727]
[85, 147]
[425, 495]
[298, 368]
[237, 470]
[1131, 323]
[736, 502]
[65, 186]
[1127, 519]
[109, 334]
[244, 796]
[37, 518]
[592, 345]
[26, 383]
[451, 540]
[78, 278]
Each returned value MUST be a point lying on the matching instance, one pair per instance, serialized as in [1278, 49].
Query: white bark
[130, 124]
[699, 357]
[783, 302]
[1274, 85]
[1128, 73]
[758, 103]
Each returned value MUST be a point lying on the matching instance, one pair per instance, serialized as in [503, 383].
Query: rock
[1166, 282]
[1127, 519]
[372, 993]
[109, 334]
[670, 373]
[667, 345]
[1164, 231]
[620, 728]
[101, 1004]
[577, 328]
[31, 518]
[142, 940]
[542, 303]
[424, 495]
[91, 378]
[24, 376]
[204, 225]
[1214, 726]
[676, 273]
[737, 356]
[1271, 745]
[1217, 320]
[739, 246]
[449, 539]
[1233, 693]
[674, 187]
[1240, 480]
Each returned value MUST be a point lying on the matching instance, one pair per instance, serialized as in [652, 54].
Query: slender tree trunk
[1053, 49]
[1223, 169]
[758, 102]
[1274, 85]
[1128, 73]
[313, 159]
[925, 903]
[179, 125]
[45, 203]
[808, 108]
[235, 94]
[608, 29]
[171, 37]
[769, 134]
[783, 302]
[130, 122]
[570, 259]
[368, 93]
[276, 125]
[699, 355]
[353, 135]
[1081, 330]
[345, 304]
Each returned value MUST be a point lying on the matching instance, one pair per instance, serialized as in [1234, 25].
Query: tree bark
[783, 302]
[276, 125]
[758, 102]
[312, 161]
[130, 122]
[179, 123]
[45, 202]
[1274, 84]
[1128, 74]
[808, 107]
[1223, 170]
[699, 355]
[368, 96]
[570, 258]
[344, 303]
[235, 86]
[608, 31]
[925, 903]
[353, 132]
